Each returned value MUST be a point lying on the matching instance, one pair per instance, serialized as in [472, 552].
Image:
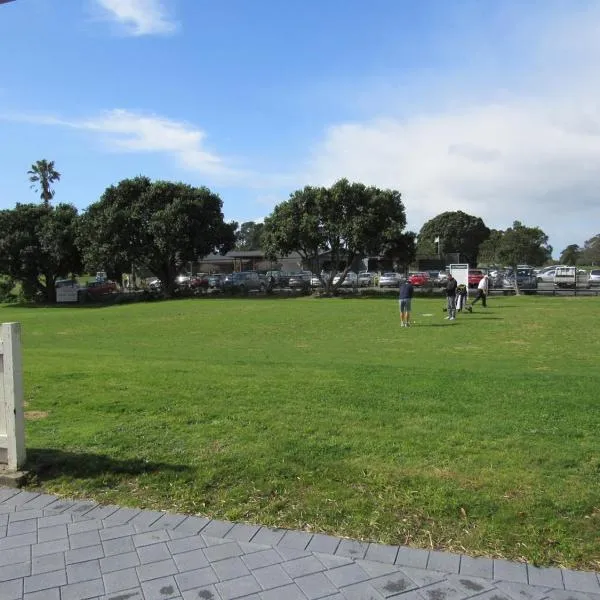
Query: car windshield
[389, 274]
[595, 272]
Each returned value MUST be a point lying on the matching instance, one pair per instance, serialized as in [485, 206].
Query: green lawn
[324, 415]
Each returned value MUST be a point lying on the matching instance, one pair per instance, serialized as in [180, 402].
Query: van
[565, 277]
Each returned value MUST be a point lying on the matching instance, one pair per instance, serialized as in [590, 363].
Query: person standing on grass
[482, 291]
[406, 294]
[451, 298]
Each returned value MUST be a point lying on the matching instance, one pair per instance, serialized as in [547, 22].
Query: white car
[365, 279]
[593, 278]
[389, 280]
[350, 280]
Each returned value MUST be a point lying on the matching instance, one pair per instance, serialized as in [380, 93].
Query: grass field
[324, 415]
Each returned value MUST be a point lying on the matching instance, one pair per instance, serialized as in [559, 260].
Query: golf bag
[461, 297]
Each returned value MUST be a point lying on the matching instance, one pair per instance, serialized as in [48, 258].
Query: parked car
[154, 284]
[565, 277]
[276, 279]
[365, 279]
[418, 279]
[474, 277]
[593, 278]
[315, 281]
[243, 282]
[300, 280]
[526, 279]
[546, 276]
[100, 288]
[351, 279]
[389, 280]
[215, 281]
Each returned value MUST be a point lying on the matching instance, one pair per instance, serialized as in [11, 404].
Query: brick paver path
[54, 549]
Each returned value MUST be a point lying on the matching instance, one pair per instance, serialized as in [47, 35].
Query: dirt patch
[35, 415]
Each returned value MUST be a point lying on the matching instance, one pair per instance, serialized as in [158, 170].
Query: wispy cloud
[139, 17]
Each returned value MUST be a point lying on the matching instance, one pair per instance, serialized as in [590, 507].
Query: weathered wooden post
[12, 424]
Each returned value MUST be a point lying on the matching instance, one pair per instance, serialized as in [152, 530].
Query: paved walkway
[54, 549]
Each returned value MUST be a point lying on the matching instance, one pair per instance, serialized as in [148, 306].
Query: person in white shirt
[482, 291]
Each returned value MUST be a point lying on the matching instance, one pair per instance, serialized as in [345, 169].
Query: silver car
[389, 280]
[593, 278]
[365, 279]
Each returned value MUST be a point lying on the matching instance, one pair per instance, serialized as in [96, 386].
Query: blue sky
[487, 107]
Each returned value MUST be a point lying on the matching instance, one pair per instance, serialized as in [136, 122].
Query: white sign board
[461, 274]
[67, 294]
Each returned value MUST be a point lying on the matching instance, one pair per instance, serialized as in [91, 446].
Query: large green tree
[41, 176]
[249, 236]
[591, 250]
[349, 220]
[524, 245]
[38, 246]
[571, 255]
[488, 249]
[457, 232]
[402, 249]
[158, 226]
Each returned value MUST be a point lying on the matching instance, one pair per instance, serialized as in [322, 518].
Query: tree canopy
[457, 232]
[349, 220]
[591, 250]
[571, 255]
[157, 225]
[249, 236]
[41, 176]
[38, 246]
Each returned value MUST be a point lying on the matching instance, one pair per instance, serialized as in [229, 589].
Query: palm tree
[42, 175]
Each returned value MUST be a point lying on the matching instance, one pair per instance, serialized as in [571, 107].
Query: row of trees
[588, 254]
[160, 226]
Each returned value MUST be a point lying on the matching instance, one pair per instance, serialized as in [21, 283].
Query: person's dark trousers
[480, 296]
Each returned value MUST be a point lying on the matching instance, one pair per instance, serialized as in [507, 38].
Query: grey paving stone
[214, 541]
[392, 584]
[423, 577]
[168, 521]
[132, 594]
[271, 577]
[102, 512]
[346, 575]
[581, 581]
[163, 588]
[118, 546]
[477, 567]
[40, 502]
[16, 555]
[20, 527]
[352, 549]
[150, 537]
[14, 541]
[50, 547]
[121, 517]
[14, 571]
[264, 558]
[59, 507]
[236, 588]
[49, 534]
[153, 553]
[250, 547]
[24, 515]
[83, 554]
[83, 571]
[382, 553]
[230, 568]
[568, 595]
[34, 583]
[145, 519]
[222, 551]
[119, 561]
[53, 520]
[521, 591]
[315, 586]
[302, 566]
[505, 570]
[548, 577]
[291, 553]
[377, 569]
[330, 562]
[53, 594]
[190, 561]
[80, 509]
[6, 493]
[323, 543]
[11, 590]
[5, 509]
[295, 539]
[83, 590]
[117, 581]
[83, 540]
[268, 535]
[186, 544]
[287, 592]
[446, 562]
[470, 585]
[217, 528]
[243, 532]
[48, 562]
[195, 579]
[361, 591]
[158, 569]
[84, 526]
[118, 531]
[209, 592]
[20, 498]
[443, 589]
[493, 595]
[193, 524]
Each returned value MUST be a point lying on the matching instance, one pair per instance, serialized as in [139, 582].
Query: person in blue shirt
[406, 294]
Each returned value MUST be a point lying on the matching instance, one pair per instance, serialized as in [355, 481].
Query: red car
[418, 279]
[475, 276]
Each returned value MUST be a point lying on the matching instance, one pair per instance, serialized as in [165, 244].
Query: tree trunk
[517, 291]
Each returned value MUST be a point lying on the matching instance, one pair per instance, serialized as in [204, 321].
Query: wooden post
[12, 423]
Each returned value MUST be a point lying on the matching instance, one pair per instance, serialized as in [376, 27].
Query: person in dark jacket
[451, 298]
[406, 294]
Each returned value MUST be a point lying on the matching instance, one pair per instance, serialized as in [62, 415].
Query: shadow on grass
[45, 464]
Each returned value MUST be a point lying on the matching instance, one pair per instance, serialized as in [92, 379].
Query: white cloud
[533, 157]
[139, 17]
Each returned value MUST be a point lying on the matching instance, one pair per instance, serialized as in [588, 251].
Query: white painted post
[12, 422]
